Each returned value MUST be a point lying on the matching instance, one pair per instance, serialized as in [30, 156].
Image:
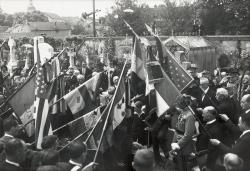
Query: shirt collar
[75, 163]
[206, 90]
[8, 135]
[244, 132]
[210, 122]
[12, 163]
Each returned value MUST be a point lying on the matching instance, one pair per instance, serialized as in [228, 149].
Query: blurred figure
[241, 147]
[15, 154]
[226, 105]
[143, 160]
[185, 129]
[80, 79]
[232, 162]
[85, 71]
[245, 104]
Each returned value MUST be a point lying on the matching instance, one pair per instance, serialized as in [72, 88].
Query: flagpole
[85, 132]
[13, 94]
[90, 134]
[69, 92]
[110, 108]
[55, 130]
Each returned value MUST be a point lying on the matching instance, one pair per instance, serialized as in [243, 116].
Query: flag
[22, 102]
[137, 61]
[85, 97]
[24, 97]
[41, 109]
[178, 75]
[117, 113]
[176, 79]
[84, 123]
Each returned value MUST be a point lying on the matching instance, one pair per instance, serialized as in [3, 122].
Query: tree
[23, 17]
[225, 16]
[78, 29]
[137, 19]
[173, 17]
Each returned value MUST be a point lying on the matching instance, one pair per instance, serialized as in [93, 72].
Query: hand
[90, 167]
[214, 141]
[175, 146]
[224, 117]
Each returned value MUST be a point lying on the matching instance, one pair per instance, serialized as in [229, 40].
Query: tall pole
[94, 33]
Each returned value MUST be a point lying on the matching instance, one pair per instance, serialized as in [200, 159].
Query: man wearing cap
[226, 105]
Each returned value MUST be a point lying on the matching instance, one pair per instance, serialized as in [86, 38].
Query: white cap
[222, 91]
[204, 80]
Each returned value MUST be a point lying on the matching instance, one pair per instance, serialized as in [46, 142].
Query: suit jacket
[217, 131]
[241, 148]
[87, 75]
[227, 106]
[9, 167]
[71, 83]
[208, 99]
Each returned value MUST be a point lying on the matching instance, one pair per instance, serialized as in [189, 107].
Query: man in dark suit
[15, 153]
[215, 130]
[207, 97]
[245, 104]
[71, 81]
[241, 147]
[226, 105]
[77, 153]
[86, 72]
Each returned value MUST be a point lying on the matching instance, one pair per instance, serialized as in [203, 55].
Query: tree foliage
[23, 17]
[136, 19]
[225, 16]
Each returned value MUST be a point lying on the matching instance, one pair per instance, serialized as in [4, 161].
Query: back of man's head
[14, 150]
[232, 162]
[50, 157]
[8, 124]
[143, 160]
[76, 150]
[49, 141]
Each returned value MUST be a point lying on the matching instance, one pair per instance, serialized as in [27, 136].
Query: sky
[65, 7]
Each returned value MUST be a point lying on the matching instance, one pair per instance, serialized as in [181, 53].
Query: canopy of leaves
[23, 17]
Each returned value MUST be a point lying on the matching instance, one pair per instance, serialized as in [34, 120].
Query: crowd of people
[206, 129]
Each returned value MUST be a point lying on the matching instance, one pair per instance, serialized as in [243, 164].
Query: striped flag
[176, 78]
[85, 97]
[41, 109]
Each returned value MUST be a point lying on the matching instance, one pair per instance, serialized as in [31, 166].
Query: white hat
[222, 91]
[204, 80]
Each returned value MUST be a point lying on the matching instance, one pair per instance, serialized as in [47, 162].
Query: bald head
[143, 160]
[209, 113]
[245, 102]
[232, 162]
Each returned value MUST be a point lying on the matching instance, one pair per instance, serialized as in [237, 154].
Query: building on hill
[51, 29]
[53, 17]
[31, 7]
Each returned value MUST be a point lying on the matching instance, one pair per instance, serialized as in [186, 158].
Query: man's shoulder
[9, 167]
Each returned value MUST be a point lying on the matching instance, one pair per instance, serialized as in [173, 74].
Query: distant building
[31, 7]
[53, 17]
[51, 29]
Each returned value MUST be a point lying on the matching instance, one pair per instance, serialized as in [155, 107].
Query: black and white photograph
[124, 85]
